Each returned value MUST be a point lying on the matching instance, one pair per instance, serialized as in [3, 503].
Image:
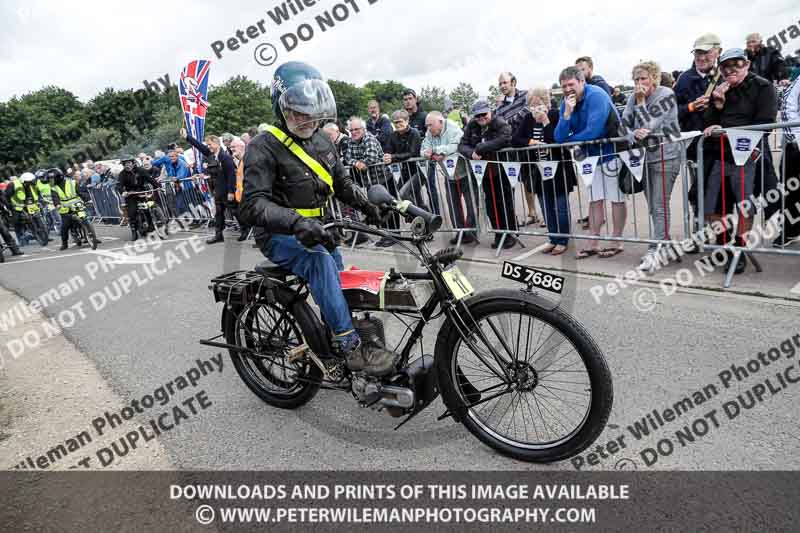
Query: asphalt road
[657, 358]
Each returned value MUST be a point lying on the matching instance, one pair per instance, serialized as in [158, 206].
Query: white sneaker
[649, 262]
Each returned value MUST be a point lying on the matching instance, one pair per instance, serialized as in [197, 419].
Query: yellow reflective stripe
[297, 150]
[310, 212]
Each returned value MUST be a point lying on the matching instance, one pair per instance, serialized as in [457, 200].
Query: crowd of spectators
[739, 88]
[719, 89]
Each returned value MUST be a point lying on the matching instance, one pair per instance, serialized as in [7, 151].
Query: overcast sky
[94, 44]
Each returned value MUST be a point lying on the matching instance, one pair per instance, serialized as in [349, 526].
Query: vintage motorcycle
[33, 221]
[518, 372]
[83, 231]
[145, 205]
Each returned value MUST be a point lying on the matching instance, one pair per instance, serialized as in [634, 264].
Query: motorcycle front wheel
[545, 397]
[39, 230]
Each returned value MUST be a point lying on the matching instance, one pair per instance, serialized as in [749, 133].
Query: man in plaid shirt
[364, 156]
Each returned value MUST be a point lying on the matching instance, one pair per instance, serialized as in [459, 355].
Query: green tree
[96, 144]
[494, 92]
[463, 96]
[432, 98]
[387, 93]
[37, 123]
[350, 100]
[236, 104]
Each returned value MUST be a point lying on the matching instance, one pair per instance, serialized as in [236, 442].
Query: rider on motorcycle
[290, 173]
[6, 215]
[132, 178]
[67, 191]
[44, 181]
[18, 193]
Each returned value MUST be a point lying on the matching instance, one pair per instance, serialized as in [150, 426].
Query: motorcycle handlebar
[378, 195]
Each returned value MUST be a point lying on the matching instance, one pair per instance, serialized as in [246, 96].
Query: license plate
[458, 284]
[533, 277]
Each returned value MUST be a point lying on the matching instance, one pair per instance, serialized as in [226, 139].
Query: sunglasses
[482, 115]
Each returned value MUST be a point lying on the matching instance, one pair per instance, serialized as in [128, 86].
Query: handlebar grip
[434, 221]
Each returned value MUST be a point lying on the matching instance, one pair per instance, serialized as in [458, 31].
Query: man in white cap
[693, 94]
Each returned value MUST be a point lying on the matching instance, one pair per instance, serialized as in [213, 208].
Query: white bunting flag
[397, 172]
[450, 165]
[586, 169]
[635, 163]
[478, 168]
[512, 171]
[548, 169]
[743, 142]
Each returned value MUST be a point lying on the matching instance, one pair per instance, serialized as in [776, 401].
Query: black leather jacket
[135, 180]
[276, 182]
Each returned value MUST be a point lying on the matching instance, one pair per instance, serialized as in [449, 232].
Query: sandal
[605, 253]
[548, 248]
[532, 219]
[559, 249]
[588, 252]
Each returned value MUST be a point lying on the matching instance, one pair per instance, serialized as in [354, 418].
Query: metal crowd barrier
[445, 187]
[189, 197]
[774, 187]
[522, 170]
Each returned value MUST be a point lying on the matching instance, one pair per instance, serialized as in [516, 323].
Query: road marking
[129, 245]
[124, 259]
[530, 253]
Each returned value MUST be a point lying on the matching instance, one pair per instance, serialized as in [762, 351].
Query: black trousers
[220, 204]
[68, 221]
[132, 205]
[393, 222]
[10, 241]
[499, 198]
[791, 227]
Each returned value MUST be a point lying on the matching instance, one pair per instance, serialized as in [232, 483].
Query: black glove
[375, 215]
[311, 233]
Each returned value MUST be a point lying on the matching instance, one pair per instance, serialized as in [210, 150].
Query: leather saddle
[270, 270]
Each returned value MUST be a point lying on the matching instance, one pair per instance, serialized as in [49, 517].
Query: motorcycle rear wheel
[270, 334]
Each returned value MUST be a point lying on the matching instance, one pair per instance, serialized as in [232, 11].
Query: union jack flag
[193, 92]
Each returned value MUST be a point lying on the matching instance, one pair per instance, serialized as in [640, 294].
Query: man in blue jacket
[690, 92]
[588, 114]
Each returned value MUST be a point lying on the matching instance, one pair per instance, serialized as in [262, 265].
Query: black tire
[160, 222]
[260, 375]
[39, 230]
[88, 231]
[2, 255]
[458, 393]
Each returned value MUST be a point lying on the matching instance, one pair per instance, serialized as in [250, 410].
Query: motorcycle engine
[370, 328]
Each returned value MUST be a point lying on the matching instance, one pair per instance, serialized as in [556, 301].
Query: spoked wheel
[39, 230]
[160, 222]
[88, 232]
[271, 333]
[548, 394]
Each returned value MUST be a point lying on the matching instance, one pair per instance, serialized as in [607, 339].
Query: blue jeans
[556, 212]
[320, 269]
